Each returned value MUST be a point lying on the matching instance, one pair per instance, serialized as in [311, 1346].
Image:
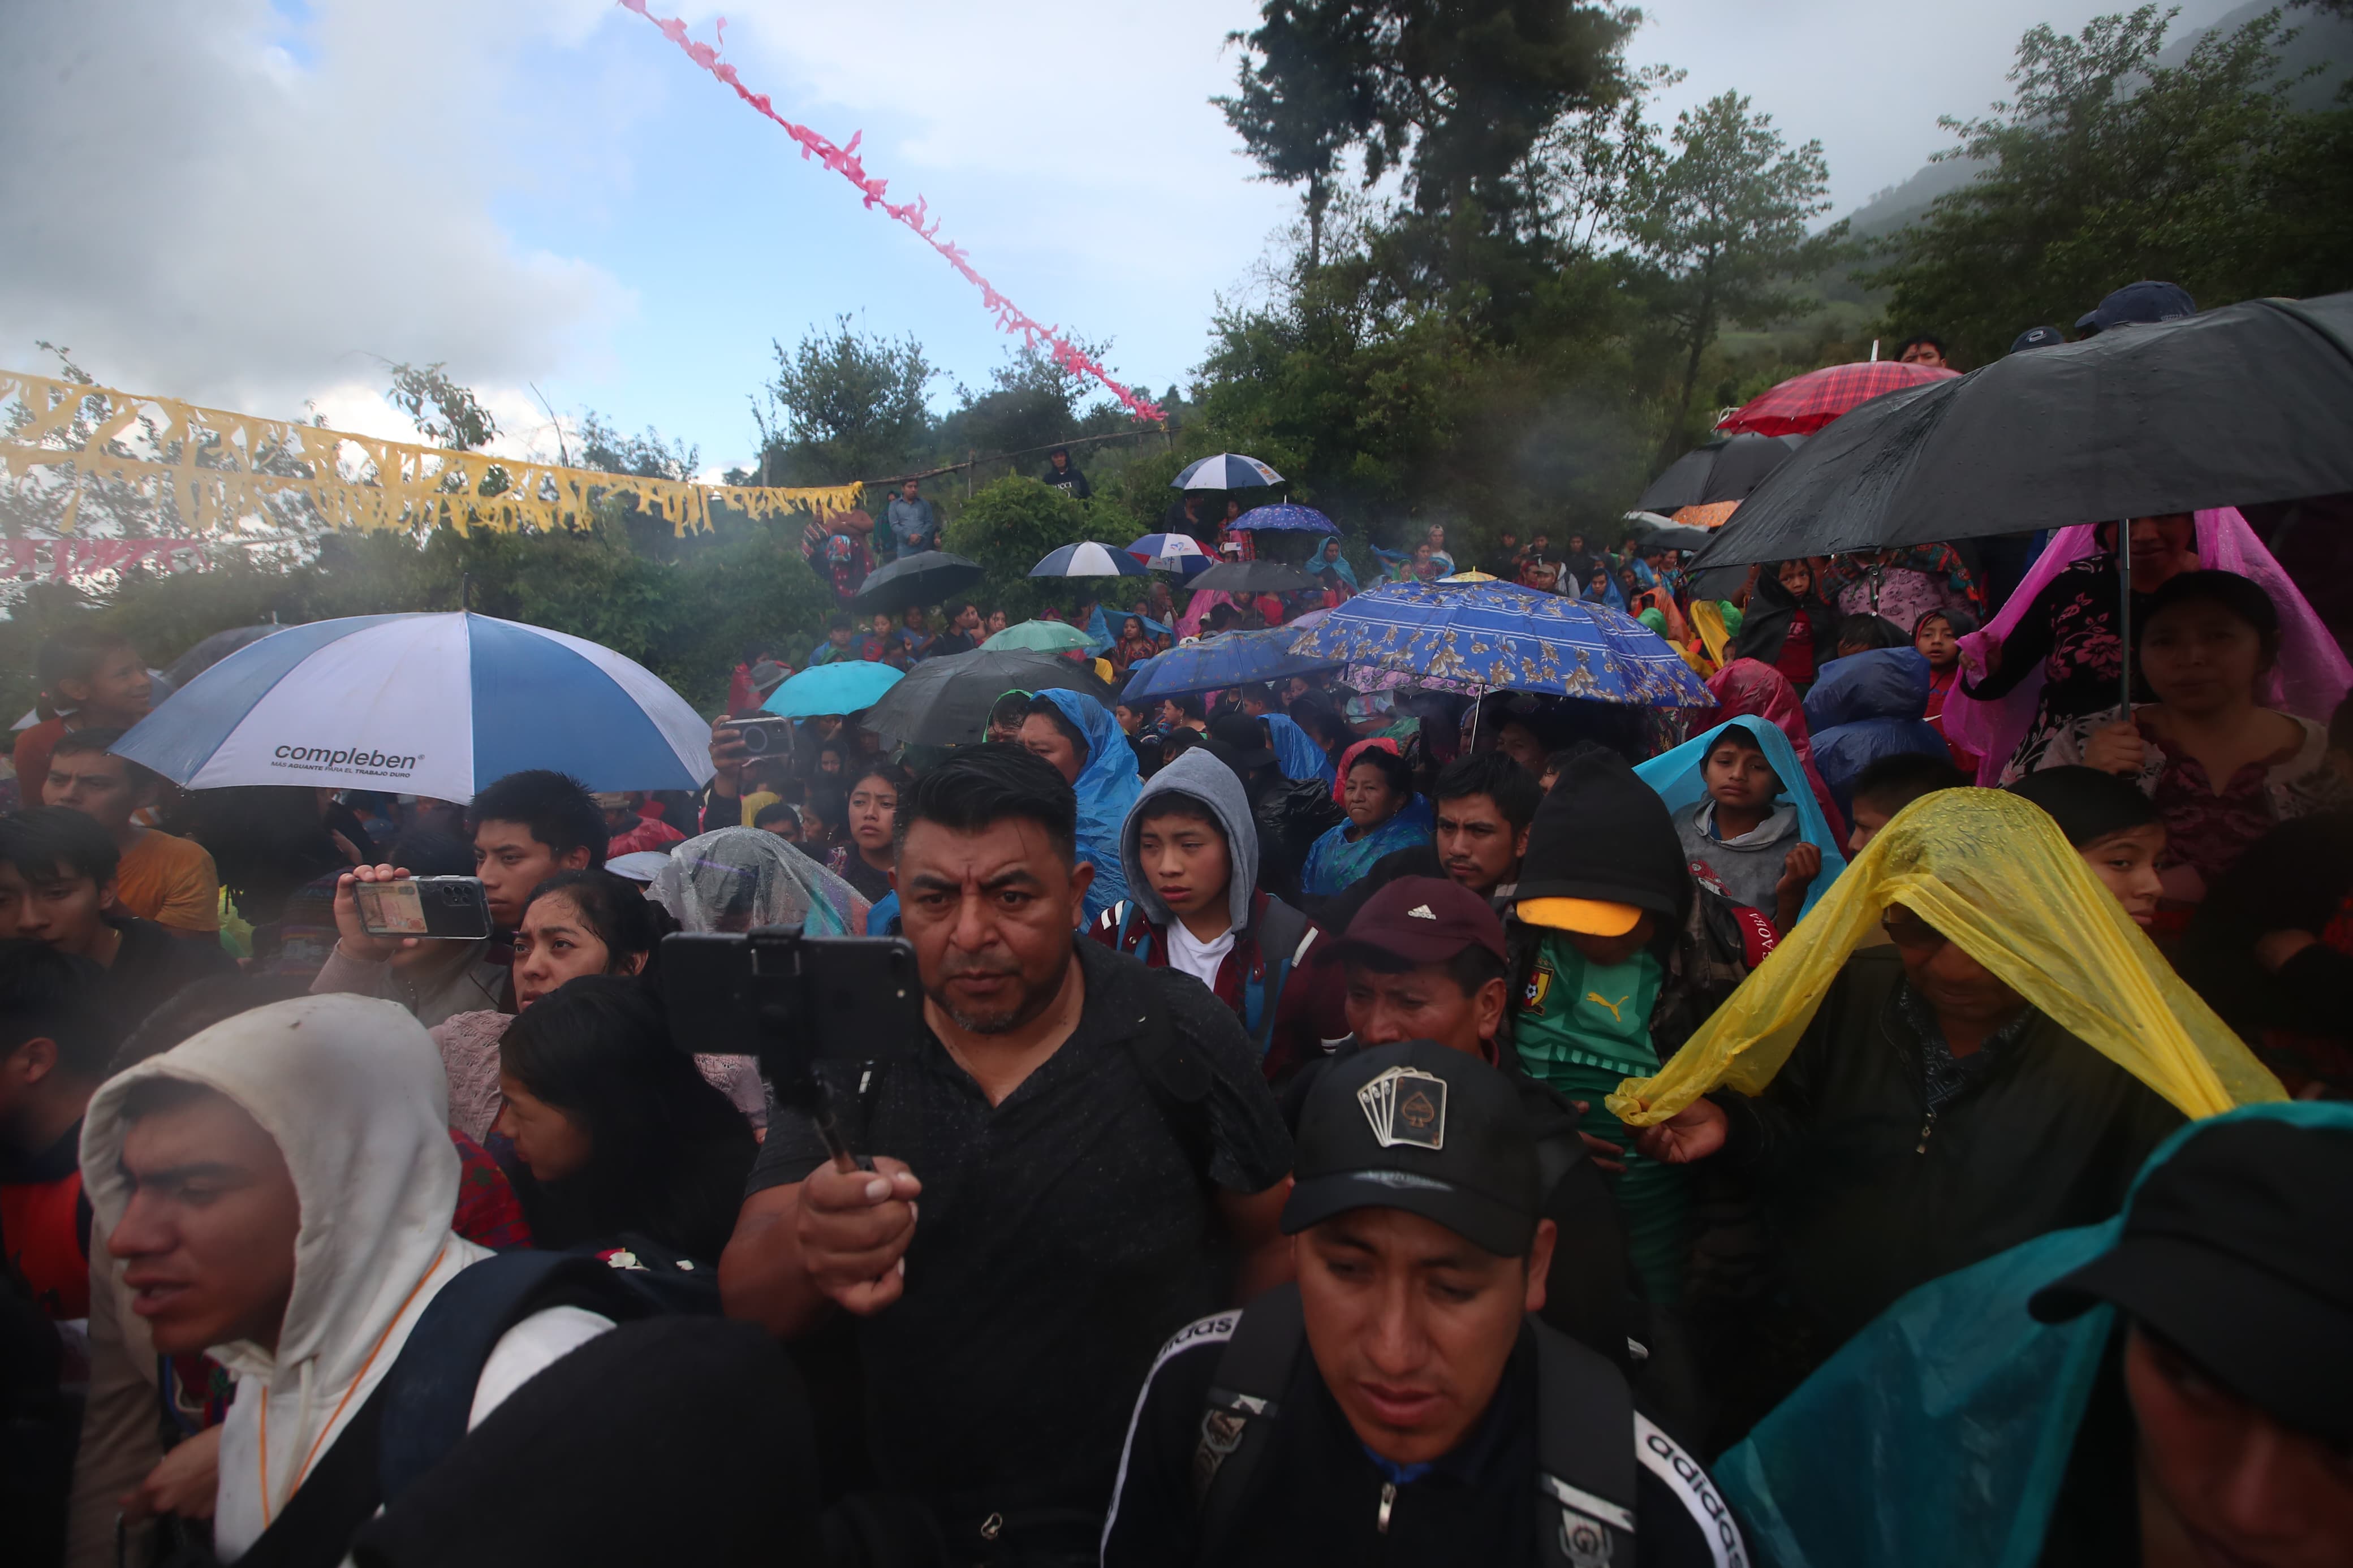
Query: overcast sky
[246, 203]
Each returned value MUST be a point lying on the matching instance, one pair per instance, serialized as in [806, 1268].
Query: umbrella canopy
[914, 581]
[1500, 636]
[1088, 559]
[1178, 553]
[946, 701]
[1712, 515]
[211, 651]
[1282, 519]
[423, 704]
[1229, 658]
[1804, 403]
[2251, 402]
[1226, 471]
[1676, 536]
[844, 686]
[1720, 471]
[1254, 578]
[1040, 637]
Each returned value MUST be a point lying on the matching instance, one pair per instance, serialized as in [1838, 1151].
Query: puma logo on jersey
[1599, 1000]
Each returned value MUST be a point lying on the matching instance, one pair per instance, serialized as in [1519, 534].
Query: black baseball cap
[1418, 920]
[2038, 338]
[2140, 303]
[1417, 1127]
[2236, 1251]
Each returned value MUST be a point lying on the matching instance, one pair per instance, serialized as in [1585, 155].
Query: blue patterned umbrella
[1502, 638]
[1285, 518]
[1230, 658]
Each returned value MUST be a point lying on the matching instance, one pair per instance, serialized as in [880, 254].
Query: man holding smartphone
[1095, 1159]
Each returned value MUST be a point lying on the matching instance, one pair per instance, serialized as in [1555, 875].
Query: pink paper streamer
[845, 162]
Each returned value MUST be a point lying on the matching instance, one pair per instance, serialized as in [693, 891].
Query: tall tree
[1722, 226]
[2106, 166]
[445, 413]
[846, 404]
[1303, 96]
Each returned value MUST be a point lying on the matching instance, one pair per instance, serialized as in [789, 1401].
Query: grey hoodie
[1199, 773]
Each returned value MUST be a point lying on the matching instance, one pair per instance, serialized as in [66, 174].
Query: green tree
[1008, 527]
[1722, 226]
[646, 457]
[444, 413]
[845, 405]
[2106, 166]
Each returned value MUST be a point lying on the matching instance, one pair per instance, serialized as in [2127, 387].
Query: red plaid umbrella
[1804, 403]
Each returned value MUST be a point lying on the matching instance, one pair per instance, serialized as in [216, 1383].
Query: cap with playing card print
[1417, 1127]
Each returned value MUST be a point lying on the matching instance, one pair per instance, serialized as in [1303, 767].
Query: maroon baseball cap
[1422, 919]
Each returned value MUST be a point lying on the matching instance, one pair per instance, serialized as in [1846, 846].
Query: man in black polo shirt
[1402, 1404]
[1094, 1155]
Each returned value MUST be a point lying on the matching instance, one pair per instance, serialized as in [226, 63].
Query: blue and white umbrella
[845, 686]
[423, 704]
[1178, 553]
[1496, 637]
[1088, 559]
[1226, 471]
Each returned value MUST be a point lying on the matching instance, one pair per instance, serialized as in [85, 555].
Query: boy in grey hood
[1190, 851]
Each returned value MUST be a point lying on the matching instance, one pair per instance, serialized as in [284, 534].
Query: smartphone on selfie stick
[817, 1011]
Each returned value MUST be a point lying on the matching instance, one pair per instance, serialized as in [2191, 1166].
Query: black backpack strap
[1238, 1418]
[1586, 1462]
[429, 1391]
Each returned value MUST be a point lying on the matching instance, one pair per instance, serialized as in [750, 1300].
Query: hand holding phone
[408, 909]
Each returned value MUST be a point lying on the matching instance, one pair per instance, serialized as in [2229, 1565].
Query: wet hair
[1916, 339]
[2242, 596]
[2087, 804]
[615, 909]
[58, 997]
[1044, 707]
[1961, 621]
[74, 654]
[1511, 786]
[1170, 803]
[1008, 710]
[1392, 767]
[668, 1152]
[839, 621]
[78, 742]
[40, 841]
[1867, 633]
[890, 773]
[1469, 969]
[556, 808]
[977, 787]
[1188, 703]
[775, 811]
[1892, 782]
[1556, 763]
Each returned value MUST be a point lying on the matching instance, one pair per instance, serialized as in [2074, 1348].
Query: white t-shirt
[1197, 959]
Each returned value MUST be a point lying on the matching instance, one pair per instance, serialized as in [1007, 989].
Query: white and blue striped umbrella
[423, 704]
[1088, 559]
[1225, 471]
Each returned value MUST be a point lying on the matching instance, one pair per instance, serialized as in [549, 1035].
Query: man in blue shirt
[914, 526]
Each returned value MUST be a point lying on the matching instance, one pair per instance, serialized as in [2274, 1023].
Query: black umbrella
[914, 580]
[1720, 471]
[1678, 536]
[211, 651]
[1253, 577]
[946, 701]
[2251, 402]
[2248, 403]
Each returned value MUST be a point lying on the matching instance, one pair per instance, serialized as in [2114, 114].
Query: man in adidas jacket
[1402, 1404]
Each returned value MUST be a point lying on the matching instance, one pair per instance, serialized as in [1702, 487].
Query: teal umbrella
[1040, 637]
[843, 688]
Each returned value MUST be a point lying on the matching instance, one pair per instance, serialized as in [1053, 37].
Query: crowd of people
[1346, 1124]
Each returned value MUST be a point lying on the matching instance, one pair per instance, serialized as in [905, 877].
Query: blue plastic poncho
[1332, 863]
[1098, 632]
[1107, 786]
[1329, 559]
[1938, 1436]
[1296, 752]
[1867, 706]
[1676, 776]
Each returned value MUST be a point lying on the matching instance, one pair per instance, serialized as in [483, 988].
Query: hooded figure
[1677, 777]
[1107, 786]
[1773, 610]
[740, 878]
[1296, 752]
[1248, 965]
[1618, 954]
[1747, 687]
[1867, 706]
[352, 1092]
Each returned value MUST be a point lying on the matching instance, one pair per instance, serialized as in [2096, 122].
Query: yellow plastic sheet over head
[1994, 874]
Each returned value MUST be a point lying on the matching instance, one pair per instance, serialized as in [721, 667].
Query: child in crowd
[1741, 836]
[90, 679]
[1890, 783]
[2114, 827]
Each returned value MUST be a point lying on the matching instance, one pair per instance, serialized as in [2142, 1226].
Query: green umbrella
[1040, 637]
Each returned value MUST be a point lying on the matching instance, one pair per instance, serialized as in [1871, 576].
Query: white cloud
[203, 205]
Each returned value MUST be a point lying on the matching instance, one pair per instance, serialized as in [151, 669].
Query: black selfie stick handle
[827, 1117]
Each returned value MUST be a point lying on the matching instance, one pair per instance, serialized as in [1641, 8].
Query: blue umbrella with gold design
[1499, 637]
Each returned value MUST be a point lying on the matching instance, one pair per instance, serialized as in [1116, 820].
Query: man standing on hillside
[914, 525]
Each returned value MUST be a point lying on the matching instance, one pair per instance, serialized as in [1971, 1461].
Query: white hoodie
[353, 1091]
